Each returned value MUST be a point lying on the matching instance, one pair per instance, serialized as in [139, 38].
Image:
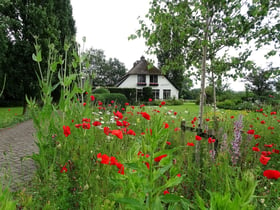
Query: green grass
[10, 116]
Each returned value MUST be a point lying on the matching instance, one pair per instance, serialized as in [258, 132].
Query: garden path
[15, 144]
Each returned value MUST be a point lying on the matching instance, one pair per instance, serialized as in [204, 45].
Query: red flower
[163, 103]
[121, 170]
[126, 104]
[179, 175]
[176, 129]
[118, 114]
[119, 123]
[210, 140]
[166, 125]
[117, 133]
[251, 132]
[190, 144]
[266, 153]
[105, 159]
[207, 119]
[150, 99]
[145, 115]
[256, 149]
[262, 122]
[198, 138]
[106, 130]
[256, 136]
[272, 113]
[66, 130]
[275, 151]
[131, 132]
[157, 159]
[96, 123]
[165, 192]
[86, 125]
[64, 169]
[125, 123]
[85, 120]
[268, 145]
[112, 102]
[271, 174]
[264, 160]
[168, 142]
[78, 125]
[231, 117]
[92, 98]
[84, 103]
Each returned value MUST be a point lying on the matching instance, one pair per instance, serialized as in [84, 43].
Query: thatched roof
[143, 67]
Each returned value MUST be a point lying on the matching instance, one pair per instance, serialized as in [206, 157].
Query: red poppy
[112, 101]
[86, 125]
[271, 174]
[262, 122]
[190, 144]
[121, 170]
[256, 149]
[166, 125]
[117, 133]
[145, 115]
[266, 153]
[268, 145]
[157, 159]
[85, 120]
[125, 123]
[264, 160]
[9, 110]
[147, 164]
[231, 117]
[272, 113]
[261, 109]
[78, 125]
[118, 114]
[275, 151]
[150, 99]
[210, 140]
[66, 130]
[106, 130]
[165, 192]
[119, 123]
[131, 132]
[163, 103]
[179, 175]
[175, 113]
[126, 104]
[64, 169]
[168, 142]
[105, 159]
[92, 98]
[96, 123]
[251, 132]
[198, 138]
[256, 136]
[176, 129]
[207, 119]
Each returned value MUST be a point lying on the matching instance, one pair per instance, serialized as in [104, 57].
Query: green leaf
[131, 202]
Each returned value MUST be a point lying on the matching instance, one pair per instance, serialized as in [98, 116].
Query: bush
[100, 91]
[106, 98]
[147, 93]
[130, 93]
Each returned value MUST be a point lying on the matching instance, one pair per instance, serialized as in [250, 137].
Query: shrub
[130, 93]
[106, 98]
[147, 93]
[100, 91]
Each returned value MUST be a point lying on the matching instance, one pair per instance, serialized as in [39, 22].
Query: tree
[201, 30]
[105, 72]
[51, 21]
[260, 82]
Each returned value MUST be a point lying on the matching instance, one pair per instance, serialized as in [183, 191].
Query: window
[155, 94]
[153, 80]
[141, 80]
[166, 94]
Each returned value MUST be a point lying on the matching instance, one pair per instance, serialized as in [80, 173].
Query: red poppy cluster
[105, 159]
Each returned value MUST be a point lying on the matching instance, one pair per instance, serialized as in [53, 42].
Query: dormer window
[153, 80]
[141, 80]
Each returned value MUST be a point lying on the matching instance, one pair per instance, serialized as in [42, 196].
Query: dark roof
[143, 67]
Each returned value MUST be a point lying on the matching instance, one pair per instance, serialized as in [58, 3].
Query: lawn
[10, 116]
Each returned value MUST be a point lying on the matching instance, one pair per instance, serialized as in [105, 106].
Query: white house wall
[163, 84]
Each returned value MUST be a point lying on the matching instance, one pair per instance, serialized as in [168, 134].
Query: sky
[107, 24]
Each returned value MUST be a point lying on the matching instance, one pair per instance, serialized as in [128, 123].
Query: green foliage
[130, 93]
[106, 98]
[100, 91]
[6, 199]
[147, 93]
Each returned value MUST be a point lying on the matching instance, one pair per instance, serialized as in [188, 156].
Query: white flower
[262, 200]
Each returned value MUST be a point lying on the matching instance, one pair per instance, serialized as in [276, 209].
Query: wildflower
[168, 142]
[256, 136]
[165, 192]
[176, 129]
[262, 122]
[131, 132]
[126, 104]
[158, 159]
[207, 119]
[178, 175]
[268, 145]
[150, 100]
[78, 125]
[119, 123]
[271, 174]
[238, 126]
[256, 149]
[163, 103]
[231, 117]
[264, 160]
[198, 138]
[64, 169]
[166, 125]
[272, 113]
[112, 101]
[210, 140]
[190, 144]
[117, 133]
[86, 125]
[266, 153]
[92, 98]
[105, 159]
[96, 123]
[251, 132]
[106, 130]
[84, 104]
[66, 130]
[145, 115]
[125, 123]
[275, 151]
[118, 114]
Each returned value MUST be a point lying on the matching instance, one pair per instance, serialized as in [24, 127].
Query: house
[144, 75]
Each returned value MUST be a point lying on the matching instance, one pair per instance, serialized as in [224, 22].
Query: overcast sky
[107, 24]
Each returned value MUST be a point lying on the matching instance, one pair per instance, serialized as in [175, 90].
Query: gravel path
[15, 144]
